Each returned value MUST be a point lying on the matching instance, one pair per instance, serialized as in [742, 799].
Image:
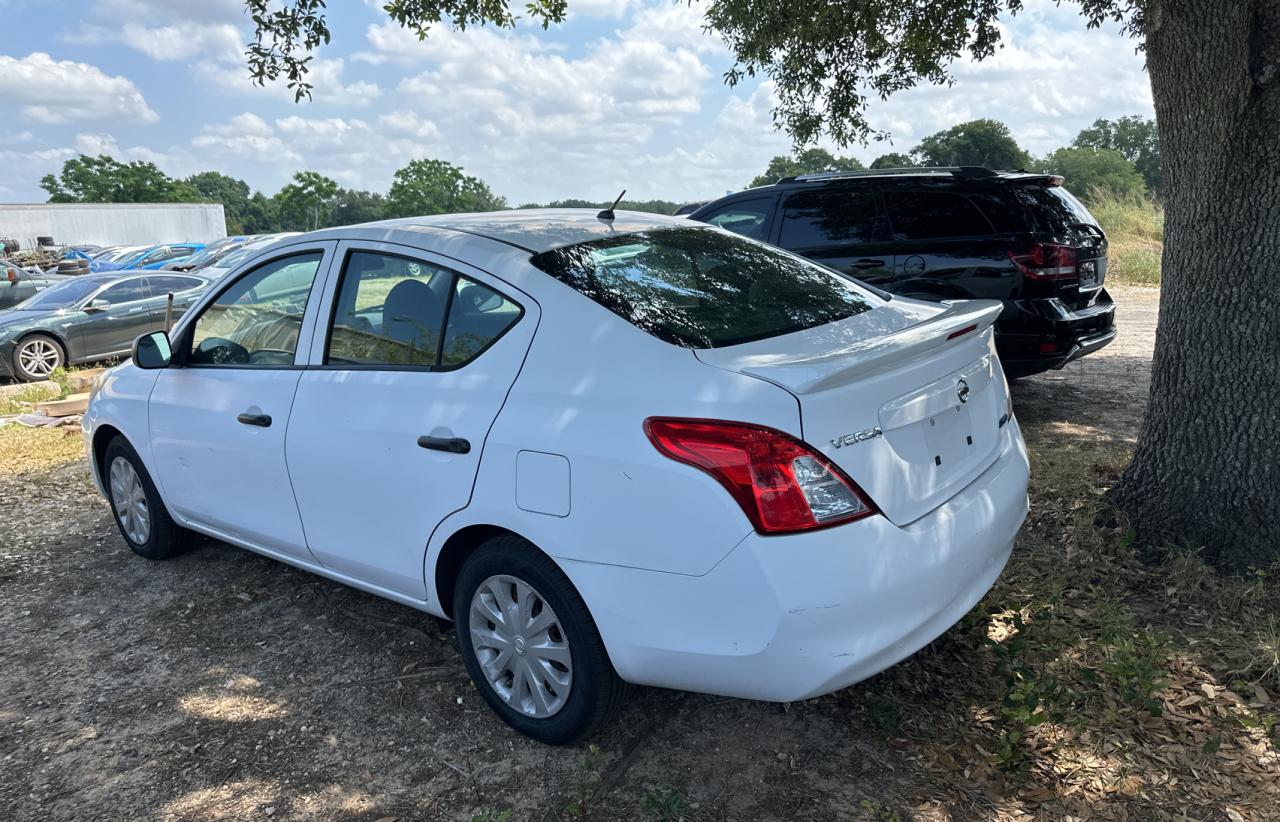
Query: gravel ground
[222, 685]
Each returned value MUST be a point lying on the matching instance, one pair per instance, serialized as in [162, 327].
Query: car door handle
[868, 263]
[260, 420]
[454, 445]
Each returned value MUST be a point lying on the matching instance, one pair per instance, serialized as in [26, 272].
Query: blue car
[147, 257]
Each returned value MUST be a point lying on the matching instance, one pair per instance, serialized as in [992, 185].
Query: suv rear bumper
[1038, 335]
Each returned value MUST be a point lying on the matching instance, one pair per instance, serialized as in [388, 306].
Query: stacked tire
[74, 266]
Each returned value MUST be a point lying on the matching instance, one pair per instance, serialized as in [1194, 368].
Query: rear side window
[703, 289]
[750, 218]
[832, 216]
[391, 311]
[928, 215]
[163, 284]
[1056, 210]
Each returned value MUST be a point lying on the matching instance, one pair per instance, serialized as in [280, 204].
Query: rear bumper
[788, 618]
[1038, 335]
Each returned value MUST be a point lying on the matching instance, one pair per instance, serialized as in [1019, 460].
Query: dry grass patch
[24, 450]
[1091, 683]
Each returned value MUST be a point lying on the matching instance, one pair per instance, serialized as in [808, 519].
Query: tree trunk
[1206, 470]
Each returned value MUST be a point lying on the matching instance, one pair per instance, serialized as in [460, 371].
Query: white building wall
[113, 223]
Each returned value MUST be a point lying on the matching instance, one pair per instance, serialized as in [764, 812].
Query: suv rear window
[1055, 208]
[928, 215]
[699, 288]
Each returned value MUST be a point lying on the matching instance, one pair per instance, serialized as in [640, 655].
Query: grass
[57, 387]
[1135, 230]
[24, 450]
[1090, 677]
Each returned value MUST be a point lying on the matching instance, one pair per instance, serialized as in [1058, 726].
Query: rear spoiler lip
[810, 375]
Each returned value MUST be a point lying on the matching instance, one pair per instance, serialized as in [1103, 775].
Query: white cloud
[232, 77]
[61, 91]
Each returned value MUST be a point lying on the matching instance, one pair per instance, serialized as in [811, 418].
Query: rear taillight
[1047, 261]
[782, 484]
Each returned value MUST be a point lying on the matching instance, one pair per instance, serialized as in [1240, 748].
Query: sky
[624, 94]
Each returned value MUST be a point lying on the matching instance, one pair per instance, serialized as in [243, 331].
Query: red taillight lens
[1047, 261]
[782, 484]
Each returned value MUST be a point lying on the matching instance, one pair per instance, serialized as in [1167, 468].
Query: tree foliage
[351, 206]
[975, 143]
[233, 194]
[1135, 138]
[104, 179]
[1096, 173]
[893, 159]
[436, 187]
[305, 203]
[809, 161]
[649, 206]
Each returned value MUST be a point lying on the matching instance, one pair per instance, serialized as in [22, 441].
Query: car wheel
[140, 514]
[530, 644]
[36, 357]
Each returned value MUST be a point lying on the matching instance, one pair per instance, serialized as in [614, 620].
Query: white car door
[218, 416]
[405, 379]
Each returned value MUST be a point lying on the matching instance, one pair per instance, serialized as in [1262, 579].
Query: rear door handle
[260, 420]
[454, 445]
[868, 263]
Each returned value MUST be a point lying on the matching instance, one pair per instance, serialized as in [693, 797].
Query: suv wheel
[140, 514]
[36, 357]
[531, 646]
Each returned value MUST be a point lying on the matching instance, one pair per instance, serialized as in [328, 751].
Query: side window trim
[328, 304]
[181, 335]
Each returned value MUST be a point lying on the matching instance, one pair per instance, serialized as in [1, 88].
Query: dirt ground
[222, 685]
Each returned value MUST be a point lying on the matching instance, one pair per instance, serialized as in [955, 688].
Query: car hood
[12, 318]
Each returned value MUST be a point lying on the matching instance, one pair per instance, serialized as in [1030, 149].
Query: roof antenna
[607, 214]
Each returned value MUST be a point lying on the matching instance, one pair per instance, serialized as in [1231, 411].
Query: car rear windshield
[701, 288]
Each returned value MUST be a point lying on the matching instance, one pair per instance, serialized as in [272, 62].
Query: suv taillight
[1047, 261]
[781, 484]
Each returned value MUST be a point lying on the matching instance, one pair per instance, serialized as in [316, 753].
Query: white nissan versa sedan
[611, 450]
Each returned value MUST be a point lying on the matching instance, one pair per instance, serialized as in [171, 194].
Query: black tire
[27, 375]
[165, 538]
[596, 692]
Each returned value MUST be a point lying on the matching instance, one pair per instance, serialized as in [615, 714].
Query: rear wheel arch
[460, 545]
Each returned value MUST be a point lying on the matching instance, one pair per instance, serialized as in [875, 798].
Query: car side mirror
[95, 306]
[152, 350]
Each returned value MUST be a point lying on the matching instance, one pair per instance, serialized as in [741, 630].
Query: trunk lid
[907, 398]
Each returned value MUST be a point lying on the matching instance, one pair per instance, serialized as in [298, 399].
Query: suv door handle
[867, 262]
[454, 445]
[260, 420]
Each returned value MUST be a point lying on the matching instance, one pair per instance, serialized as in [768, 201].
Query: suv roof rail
[954, 171]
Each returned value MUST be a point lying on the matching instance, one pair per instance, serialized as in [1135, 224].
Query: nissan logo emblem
[962, 391]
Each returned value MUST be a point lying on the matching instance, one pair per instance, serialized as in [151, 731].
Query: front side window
[703, 289]
[257, 320]
[129, 291]
[750, 218]
[396, 311]
[832, 216]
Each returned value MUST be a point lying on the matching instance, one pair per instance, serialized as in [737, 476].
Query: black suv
[950, 233]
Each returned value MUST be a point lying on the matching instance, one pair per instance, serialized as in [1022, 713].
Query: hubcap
[130, 501]
[521, 646]
[39, 357]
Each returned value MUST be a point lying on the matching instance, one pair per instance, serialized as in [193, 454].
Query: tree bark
[1206, 469]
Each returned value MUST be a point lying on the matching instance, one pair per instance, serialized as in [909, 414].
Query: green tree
[893, 160]
[1091, 171]
[260, 215]
[1204, 470]
[233, 194]
[351, 207]
[809, 161]
[975, 143]
[1135, 138]
[437, 187]
[304, 204]
[104, 179]
[650, 206]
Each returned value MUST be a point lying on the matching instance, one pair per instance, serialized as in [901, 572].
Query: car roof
[533, 229]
